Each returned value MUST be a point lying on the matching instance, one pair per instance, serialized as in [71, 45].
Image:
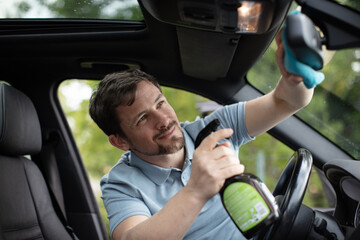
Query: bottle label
[245, 205]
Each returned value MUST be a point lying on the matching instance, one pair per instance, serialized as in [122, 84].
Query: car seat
[26, 208]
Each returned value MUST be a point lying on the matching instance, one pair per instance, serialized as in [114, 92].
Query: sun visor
[206, 55]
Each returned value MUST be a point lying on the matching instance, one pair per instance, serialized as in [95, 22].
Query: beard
[174, 144]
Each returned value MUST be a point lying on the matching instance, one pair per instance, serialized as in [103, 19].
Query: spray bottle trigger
[211, 127]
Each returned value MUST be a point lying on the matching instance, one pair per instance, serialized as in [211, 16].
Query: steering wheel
[291, 185]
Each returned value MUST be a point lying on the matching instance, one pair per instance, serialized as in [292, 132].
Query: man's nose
[161, 120]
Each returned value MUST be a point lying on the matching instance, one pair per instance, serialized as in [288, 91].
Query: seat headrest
[20, 132]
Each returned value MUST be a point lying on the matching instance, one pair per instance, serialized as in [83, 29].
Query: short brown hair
[116, 89]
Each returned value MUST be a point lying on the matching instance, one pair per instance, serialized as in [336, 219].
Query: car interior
[197, 46]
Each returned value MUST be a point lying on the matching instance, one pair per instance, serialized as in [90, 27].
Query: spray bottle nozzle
[211, 127]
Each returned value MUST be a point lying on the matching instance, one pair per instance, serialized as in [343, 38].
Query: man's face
[150, 123]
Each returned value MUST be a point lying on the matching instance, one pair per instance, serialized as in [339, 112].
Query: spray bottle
[245, 197]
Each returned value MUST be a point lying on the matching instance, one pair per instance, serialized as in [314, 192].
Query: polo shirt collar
[155, 173]
[159, 174]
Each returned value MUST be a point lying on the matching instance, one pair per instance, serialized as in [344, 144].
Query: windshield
[91, 9]
[335, 108]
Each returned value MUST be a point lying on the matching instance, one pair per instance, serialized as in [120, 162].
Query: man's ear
[119, 142]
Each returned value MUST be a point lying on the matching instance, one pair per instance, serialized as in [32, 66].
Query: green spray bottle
[245, 197]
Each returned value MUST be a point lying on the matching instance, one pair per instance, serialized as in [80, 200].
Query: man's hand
[290, 88]
[280, 54]
[212, 164]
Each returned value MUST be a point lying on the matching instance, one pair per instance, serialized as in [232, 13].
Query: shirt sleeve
[233, 116]
[230, 116]
[119, 205]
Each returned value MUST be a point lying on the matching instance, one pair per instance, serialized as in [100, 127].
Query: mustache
[163, 130]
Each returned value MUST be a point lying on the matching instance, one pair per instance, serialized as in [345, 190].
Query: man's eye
[160, 103]
[142, 118]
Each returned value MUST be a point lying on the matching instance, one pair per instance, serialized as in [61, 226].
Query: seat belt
[46, 161]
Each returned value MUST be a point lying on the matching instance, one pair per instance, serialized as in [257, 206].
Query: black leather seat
[26, 210]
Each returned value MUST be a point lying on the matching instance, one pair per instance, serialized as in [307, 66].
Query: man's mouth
[168, 131]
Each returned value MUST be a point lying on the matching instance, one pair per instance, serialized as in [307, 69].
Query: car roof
[185, 58]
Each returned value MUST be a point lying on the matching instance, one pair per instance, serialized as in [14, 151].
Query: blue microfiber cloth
[292, 65]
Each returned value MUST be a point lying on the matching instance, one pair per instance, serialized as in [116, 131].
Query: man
[163, 188]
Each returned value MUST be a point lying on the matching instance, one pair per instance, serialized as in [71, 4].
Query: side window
[97, 154]
[264, 157]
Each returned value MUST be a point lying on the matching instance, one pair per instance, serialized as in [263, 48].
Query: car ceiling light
[248, 16]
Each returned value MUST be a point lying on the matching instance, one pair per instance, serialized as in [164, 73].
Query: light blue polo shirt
[135, 187]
